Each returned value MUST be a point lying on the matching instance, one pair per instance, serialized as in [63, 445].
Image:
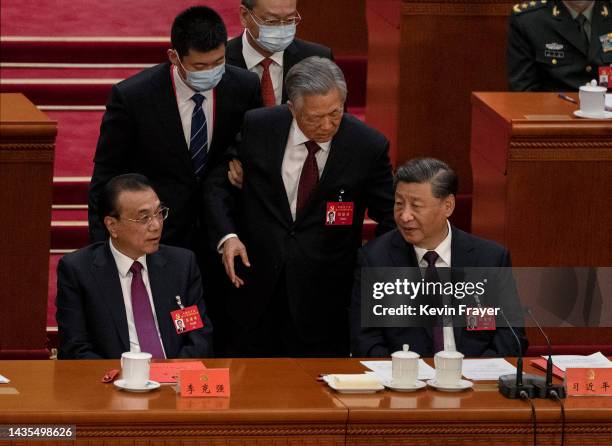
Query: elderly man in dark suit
[425, 192]
[268, 45]
[300, 160]
[121, 294]
[173, 123]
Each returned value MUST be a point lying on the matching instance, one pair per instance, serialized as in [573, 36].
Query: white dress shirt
[185, 106]
[124, 263]
[444, 261]
[293, 161]
[253, 58]
[291, 169]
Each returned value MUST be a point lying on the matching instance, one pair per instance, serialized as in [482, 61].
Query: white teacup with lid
[592, 99]
[405, 367]
[448, 367]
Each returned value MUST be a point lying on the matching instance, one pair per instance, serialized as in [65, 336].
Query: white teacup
[405, 367]
[135, 367]
[448, 367]
[592, 99]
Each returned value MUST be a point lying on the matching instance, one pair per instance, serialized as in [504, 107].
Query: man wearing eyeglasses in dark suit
[268, 45]
[123, 294]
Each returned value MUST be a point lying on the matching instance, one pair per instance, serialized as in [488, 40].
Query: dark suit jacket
[91, 313]
[142, 132]
[547, 52]
[391, 250]
[295, 52]
[317, 261]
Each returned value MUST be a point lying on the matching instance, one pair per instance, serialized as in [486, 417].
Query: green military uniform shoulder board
[526, 6]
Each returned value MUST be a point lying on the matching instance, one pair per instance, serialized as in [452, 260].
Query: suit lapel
[291, 56]
[277, 142]
[163, 298]
[597, 24]
[403, 254]
[234, 54]
[462, 256]
[569, 29]
[168, 115]
[222, 112]
[104, 270]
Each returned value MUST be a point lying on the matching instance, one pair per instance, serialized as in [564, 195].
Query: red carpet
[103, 18]
[76, 142]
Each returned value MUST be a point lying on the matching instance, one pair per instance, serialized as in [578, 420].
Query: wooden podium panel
[280, 402]
[542, 179]
[27, 141]
[478, 417]
[420, 79]
[542, 188]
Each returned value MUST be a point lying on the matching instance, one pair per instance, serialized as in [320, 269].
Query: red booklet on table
[540, 363]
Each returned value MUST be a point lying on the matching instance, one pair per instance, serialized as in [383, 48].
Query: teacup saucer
[604, 115]
[390, 384]
[150, 385]
[463, 384]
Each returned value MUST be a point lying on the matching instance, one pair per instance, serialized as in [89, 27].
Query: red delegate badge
[480, 322]
[339, 213]
[186, 319]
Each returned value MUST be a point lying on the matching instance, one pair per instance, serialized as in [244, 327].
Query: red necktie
[148, 339]
[309, 177]
[267, 89]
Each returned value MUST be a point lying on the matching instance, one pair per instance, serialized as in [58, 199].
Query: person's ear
[111, 225]
[172, 56]
[449, 205]
[292, 109]
[244, 16]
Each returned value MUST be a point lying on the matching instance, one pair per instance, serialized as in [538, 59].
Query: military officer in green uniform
[556, 45]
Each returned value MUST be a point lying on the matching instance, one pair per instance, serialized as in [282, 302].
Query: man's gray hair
[314, 76]
[443, 179]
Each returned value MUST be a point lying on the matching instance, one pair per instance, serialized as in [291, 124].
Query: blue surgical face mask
[203, 80]
[275, 38]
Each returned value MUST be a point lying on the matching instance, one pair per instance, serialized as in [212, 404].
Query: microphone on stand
[545, 390]
[513, 385]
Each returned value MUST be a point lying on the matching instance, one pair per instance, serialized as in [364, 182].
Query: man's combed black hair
[199, 28]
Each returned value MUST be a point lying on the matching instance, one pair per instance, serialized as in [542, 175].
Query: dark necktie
[148, 338]
[581, 19]
[431, 275]
[198, 144]
[267, 89]
[309, 178]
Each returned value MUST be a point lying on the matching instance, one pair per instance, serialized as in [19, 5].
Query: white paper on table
[486, 369]
[609, 101]
[4, 380]
[384, 370]
[580, 361]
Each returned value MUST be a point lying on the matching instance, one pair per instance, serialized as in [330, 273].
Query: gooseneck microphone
[512, 385]
[548, 390]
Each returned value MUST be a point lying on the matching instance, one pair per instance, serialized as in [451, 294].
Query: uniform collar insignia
[556, 11]
[604, 11]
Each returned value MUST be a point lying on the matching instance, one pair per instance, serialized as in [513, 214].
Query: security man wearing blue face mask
[268, 45]
[172, 123]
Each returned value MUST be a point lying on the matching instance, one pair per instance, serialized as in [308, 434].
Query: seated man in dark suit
[119, 295]
[425, 192]
[268, 45]
[558, 45]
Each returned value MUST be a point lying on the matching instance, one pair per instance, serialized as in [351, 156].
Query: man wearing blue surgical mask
[268, 45]
[173, 123]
